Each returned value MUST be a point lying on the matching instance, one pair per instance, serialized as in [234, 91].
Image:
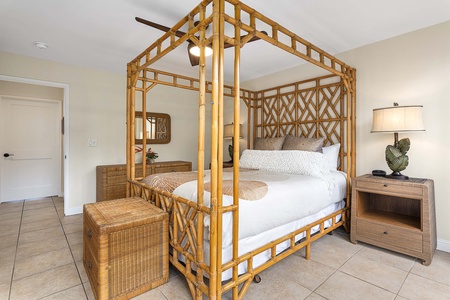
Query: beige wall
[410, 69]
[97, 110]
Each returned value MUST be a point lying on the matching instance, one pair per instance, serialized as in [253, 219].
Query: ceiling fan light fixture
[195, 50]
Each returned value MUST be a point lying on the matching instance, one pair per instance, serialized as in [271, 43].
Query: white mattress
[287, 200]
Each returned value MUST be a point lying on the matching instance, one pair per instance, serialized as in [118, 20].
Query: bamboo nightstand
[398, 215]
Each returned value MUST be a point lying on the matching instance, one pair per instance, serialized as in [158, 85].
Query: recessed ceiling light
[41, 45]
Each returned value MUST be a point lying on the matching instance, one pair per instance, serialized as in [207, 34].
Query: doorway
[63, 125]
[31, 140]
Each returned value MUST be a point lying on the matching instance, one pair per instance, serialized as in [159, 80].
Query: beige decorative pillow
[268, 143]
[301, 143]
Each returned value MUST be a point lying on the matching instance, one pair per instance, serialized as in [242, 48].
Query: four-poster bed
[212, 261]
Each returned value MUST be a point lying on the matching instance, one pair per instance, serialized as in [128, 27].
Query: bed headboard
[311, 108]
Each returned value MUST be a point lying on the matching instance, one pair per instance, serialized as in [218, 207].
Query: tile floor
[41, 258]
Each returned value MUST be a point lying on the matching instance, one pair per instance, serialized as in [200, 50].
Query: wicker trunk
[125, 247]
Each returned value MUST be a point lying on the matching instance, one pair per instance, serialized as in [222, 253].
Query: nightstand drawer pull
[90, 264]
[385, 185]
[385, 232]
[89, 233]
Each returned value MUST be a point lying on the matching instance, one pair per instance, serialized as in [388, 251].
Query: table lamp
[394, 120]
[228, 133]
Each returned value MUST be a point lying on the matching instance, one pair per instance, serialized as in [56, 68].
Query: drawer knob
[89, 233]
[385, 185]
[90, 264]
[385, 232]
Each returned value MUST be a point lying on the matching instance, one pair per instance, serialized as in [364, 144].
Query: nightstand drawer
[385, 234]
[381, 187]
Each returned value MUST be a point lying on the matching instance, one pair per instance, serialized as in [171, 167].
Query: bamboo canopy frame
[186, 218]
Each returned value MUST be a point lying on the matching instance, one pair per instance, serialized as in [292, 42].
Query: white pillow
[288, 161]
[332, 153]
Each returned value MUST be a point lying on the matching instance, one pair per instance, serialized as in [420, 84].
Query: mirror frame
[166, 140]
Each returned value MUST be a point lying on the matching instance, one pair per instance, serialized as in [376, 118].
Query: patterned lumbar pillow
[268, 143]
[304, 144]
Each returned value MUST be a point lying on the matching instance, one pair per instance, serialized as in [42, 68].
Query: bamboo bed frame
[322, 106]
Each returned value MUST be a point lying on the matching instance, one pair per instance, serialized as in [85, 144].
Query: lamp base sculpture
[397, 159]
[397, 175]
[231, 151]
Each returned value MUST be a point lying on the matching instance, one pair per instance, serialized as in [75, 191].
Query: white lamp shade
[195, 50]
[398, 119]
[228, 131]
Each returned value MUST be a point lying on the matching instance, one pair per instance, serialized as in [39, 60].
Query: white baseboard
[443, 245]
[73, 211]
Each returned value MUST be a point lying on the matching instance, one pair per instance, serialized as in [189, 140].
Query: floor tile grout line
[15, 252]
[71, 252]
[396, 293]
[335, 271]
[48, 269]
[60, 291]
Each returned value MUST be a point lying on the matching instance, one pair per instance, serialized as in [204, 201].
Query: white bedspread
[289, 197]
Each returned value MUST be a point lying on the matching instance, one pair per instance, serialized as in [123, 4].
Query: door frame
[65, 113]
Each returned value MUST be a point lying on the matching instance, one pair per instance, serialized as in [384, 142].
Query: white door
[30, 141]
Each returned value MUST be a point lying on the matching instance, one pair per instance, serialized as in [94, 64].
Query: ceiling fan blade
[255, 38]
[159, 26]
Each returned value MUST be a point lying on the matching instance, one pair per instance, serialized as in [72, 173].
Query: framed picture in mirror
[157, 128]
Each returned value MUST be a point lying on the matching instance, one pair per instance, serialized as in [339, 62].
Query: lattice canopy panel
[312, 108]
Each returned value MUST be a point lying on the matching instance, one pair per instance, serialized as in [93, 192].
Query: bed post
[201, 156]
[132, 78]
[216, 145]
[128, 120]
[237, 114]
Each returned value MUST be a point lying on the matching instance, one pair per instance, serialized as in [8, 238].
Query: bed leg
[257, 278]
[308, 251]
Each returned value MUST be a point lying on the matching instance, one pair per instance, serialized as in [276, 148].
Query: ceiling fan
[193, 57]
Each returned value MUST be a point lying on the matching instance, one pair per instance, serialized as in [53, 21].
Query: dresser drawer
[390, 235]
[381, 187]
[165, 169]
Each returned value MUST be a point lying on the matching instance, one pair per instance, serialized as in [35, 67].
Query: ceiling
[103, 34]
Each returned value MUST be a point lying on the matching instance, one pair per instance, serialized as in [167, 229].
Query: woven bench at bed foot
[125, 247]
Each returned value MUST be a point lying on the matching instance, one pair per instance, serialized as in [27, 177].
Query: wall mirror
[157, 128]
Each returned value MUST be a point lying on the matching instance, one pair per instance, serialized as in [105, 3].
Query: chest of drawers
[112, 179]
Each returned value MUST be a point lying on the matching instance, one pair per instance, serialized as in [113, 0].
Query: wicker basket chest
[125, 247]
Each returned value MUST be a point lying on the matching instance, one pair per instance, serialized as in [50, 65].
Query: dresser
[398, 215]
[112, 179]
